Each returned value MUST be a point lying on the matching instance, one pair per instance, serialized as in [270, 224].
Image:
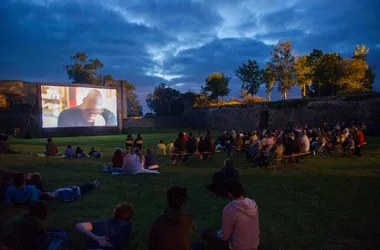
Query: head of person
[228, 163]
[117, 151]
[124, 211]
[190, 134]
[208, 132]
[161, 141]
[149, 151]
[181, 135]
[129, 136]
[234, 189]
[176, 198]
[78, 148]
[171, 141]
[139, 137]
[39, 209]
[69, 146]
[92, 105]
[49, 140]
[201, 138]
[19, 180]
[303, 132]
[92, 149]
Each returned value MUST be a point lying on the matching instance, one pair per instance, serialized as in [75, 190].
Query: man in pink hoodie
[240, 222]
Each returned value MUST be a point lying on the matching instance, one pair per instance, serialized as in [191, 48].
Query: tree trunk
[269, 97]
[285, 95]
[304, 90]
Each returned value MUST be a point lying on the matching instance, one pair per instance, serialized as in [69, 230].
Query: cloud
[178, 42]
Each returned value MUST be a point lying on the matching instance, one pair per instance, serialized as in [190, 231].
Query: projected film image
[66, 106]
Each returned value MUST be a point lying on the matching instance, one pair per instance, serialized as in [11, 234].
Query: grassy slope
[323, 205]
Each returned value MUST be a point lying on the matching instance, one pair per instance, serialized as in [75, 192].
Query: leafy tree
[133, 104]
[326, 74]
[163, 100]
[269, 80]
[282, 66]
[361, 52]
[304, 73]
[216, 85]
[247, 97]
[84, 70]
[250, 76]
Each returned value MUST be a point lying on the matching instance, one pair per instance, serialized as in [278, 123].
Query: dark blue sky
[178, 42]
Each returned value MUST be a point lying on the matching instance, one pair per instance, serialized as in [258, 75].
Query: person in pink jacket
[240, 222]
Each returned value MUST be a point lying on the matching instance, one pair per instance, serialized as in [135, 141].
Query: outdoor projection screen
[72, 106]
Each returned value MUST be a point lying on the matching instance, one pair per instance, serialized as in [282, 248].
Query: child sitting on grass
[150, 160]
[79, 153]
[94, 153]
[117, 158]
[169, 147]
[69, 152]
[161, 149]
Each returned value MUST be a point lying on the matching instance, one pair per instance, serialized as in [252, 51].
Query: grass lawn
[323, 204]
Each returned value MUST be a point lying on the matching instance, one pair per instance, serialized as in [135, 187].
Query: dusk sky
[176, 42]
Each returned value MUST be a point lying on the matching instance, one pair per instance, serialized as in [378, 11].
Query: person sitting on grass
[219, 178]
[150, 160]
[20, 193]
[179, 148]
[141, 158]
[240, 222]
[173, 229]
[202, 147]
[27, 231]
[138, 142]
[129, 142]
[112, 233]
[69, 152]
[51, 148]
[169, 147]
[117, 158]
[161, 149]
[5, 147]
[94, 153]
[79, 153]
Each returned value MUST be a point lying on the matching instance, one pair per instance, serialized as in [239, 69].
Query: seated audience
[112, 233]
[210, 145]
[240, 222]
[305, 143]
[191, 146]
[219, 178]
[239, 143]
[169, 147]
[129, 142]
[290, 145]
[5, 146]
[202, 147]
[117, 158]
[150, 160]
[28, 232]
[226, 142]
[179, 148]
[20, 193]
[51, 148]
[79, 153]
[94, 153]
[173, 229]
[69, 152]
[161, 149]
[138, 142]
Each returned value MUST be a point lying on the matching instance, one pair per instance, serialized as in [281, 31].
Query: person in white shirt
[305, 143]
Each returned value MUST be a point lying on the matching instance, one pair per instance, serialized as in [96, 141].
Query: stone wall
[281, 114]
[154, 122]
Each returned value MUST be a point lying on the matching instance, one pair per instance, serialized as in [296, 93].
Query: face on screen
[67, 106]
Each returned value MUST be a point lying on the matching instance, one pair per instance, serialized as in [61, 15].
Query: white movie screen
[69, 107]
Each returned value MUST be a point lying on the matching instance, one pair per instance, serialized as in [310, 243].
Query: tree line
[316, 73]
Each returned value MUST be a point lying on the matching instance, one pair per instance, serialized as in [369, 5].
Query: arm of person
[227, 225]
[86, 229]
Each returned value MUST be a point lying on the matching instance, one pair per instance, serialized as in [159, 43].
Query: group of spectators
[261, 146]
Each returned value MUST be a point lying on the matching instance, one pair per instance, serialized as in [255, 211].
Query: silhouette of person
[88, 113]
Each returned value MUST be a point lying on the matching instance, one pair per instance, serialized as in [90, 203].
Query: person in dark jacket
[191, 146]
[202, 147]
[139, 142]
[290, 145]
[219, 178]
[226, 142]
[210, 145]
[173, 229]
[180, 147]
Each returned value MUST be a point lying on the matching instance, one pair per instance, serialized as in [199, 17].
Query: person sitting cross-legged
[191, 146]
[112, 233]
[219, 178]
[173, 229]
[240, 223]
[20, 193]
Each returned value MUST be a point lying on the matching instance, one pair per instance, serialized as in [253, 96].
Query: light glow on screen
[70, 106]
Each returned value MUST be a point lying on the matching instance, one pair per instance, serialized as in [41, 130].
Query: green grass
[323, 204]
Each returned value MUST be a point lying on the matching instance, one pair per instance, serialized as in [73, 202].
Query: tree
[247, 97]
[361, 52]
[84, 70]
[304, 73]
[134, 106]
[250, 76]
[282, 66]
[269, 80]
[216, 85]
[326, 74]
[163, 100]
